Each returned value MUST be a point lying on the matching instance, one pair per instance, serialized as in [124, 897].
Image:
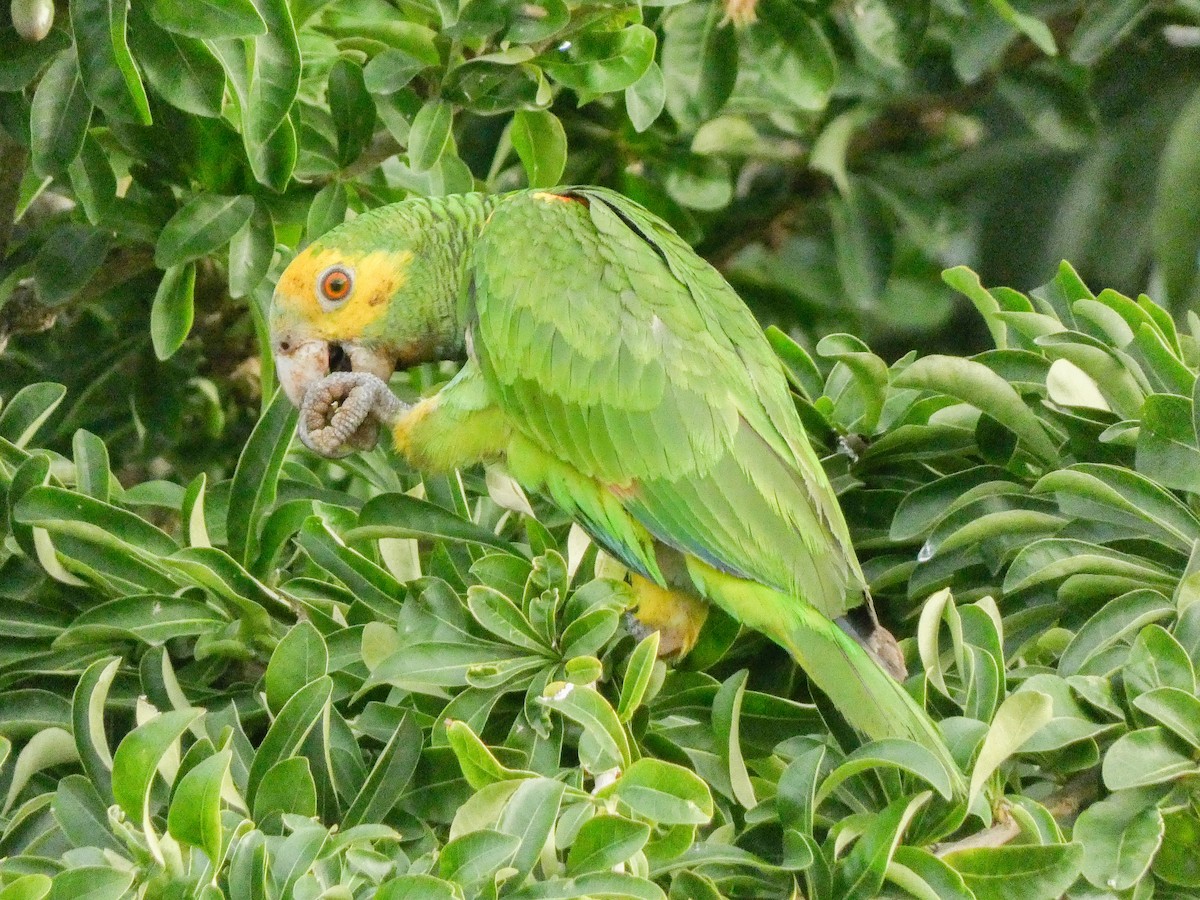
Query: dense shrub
[349, 676]
[232, 669]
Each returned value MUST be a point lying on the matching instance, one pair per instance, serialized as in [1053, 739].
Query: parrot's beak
[301, 364]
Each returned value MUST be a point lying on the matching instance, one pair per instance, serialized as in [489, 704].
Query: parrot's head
[347, 303]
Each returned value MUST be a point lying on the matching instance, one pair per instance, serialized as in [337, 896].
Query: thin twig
[1064, 805]
[12, 169]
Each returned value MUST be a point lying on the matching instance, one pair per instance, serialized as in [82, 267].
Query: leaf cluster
[305, 681]
[160, 162]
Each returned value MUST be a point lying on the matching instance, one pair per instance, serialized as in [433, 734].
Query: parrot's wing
[620, 353]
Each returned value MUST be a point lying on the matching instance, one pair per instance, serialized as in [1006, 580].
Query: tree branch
[12, 169]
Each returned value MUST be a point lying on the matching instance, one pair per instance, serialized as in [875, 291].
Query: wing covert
[618, 351]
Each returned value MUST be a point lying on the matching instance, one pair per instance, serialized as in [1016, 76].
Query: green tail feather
[869, 699]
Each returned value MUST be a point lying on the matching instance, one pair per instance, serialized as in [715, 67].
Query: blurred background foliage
[830, 157]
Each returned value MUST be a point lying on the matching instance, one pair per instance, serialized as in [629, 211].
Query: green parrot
[610, 368]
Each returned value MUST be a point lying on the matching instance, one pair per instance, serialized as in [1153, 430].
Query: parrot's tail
[868, 697]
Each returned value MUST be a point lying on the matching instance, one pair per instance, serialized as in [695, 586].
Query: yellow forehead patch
[377, 276]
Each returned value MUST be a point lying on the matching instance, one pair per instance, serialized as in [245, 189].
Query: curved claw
[342, 413]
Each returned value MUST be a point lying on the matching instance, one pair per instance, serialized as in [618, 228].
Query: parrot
[609, 368]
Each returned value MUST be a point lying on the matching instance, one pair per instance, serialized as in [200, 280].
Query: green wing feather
[628, 358]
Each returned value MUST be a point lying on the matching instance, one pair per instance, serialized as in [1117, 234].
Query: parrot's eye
[334, 286]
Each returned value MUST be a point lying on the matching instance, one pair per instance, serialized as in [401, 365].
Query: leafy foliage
[307, 679]
[232, 669]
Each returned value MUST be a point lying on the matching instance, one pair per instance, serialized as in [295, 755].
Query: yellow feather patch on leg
[676, 616]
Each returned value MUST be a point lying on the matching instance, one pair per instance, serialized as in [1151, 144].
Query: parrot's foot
[676, 616]
[342, 412]
[887, 650]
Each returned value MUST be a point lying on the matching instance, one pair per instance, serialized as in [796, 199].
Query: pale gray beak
[301, 364]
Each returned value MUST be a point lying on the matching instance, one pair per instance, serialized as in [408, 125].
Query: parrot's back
[633, 360]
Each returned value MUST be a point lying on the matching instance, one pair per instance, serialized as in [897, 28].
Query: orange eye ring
[335, 285]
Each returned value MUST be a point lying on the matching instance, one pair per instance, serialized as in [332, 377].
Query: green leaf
[1117, 619]
[23, 59]
[94, 183]
[699, 62]
[1019, 717]
[600, 62]
[149, 618]
[976, 384]
[1176, 862]
[105, 64]
[541, 144]
[68, 512]
[27, 887]
[1103, 26]
[250, 251]
[924, 875]
[1176, 709]
[479, 765]
[87, 723]
[391, 70]
[416, 887]
[138, 756]
[726, 721]
[645, 98]
[1176, 216]
[392, 772]
[428, 666]
[663, 793]
[195, 813]
[530, 815]
[373, 586]
[287, 788]
[59, 117]
[181, 69]
[205, 223]
[888, 753]
[91, 883]
[27, 410]
[476, 857]
[68, 261]
[173, 310]
[604, 842]
[604, 744]
[402, 516]
[92, 475]
[300, 658]
[638, 672]
[1034, 29]
[429, 135]
[256, 476]
[208, 18]
[861, 873]
[352, 109]
[1145, 757]
[869, 372]
[500, 616]
[265, 74]
[48, 748]
[297, 718]
[1157, 660]
[1018, 872]
[328, 210]
[1070, 722]
[1167, 443]
[1120, 836]
[1122, 497]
